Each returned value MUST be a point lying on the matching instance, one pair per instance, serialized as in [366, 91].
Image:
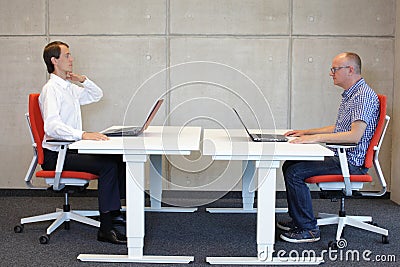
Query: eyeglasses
[335, 69]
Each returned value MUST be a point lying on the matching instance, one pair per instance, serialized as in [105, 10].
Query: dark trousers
[110, 169]
[297, 192]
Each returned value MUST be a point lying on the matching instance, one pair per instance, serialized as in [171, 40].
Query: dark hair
[356, 60]
[52, 50]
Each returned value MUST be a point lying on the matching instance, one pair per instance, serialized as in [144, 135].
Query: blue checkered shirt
[359, 102]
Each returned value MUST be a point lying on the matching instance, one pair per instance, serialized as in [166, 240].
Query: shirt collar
[60, 81]
[353, 88]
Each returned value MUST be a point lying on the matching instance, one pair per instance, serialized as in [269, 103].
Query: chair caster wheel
[385, 239]
[18, 228]
[66, 225]
[44, 239]
[333, 245]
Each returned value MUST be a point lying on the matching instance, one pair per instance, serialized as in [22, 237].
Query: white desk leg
[266, 209]
[155, 181]
[135, 220]
[135, 206]
[248, 188]
[156, 188]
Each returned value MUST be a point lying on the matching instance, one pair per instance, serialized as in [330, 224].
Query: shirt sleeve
[90, 92]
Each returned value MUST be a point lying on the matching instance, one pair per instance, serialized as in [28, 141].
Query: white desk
[156, 141]
[235, 145]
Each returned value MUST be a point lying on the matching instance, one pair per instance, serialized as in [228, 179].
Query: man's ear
[351, 72]
[53, 60]
[352, 69]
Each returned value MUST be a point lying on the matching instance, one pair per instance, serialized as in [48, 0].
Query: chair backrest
[369, 156]
[37, 125]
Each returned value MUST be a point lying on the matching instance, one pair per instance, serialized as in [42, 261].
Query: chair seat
[332, 178]
[67, 174]
[335, 182]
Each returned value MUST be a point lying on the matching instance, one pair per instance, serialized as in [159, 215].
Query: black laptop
[135, 131]
[262, 137]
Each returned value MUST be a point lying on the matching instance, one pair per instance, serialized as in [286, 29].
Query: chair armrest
[60, 160]
[341, 145]
[60, 142]
[341, 148]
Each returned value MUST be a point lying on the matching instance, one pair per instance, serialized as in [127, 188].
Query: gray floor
[199, 234]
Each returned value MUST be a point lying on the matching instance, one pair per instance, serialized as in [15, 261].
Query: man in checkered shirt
[356, 122]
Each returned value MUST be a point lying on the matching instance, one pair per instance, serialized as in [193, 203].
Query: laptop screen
[241, 121]
[134, 131]
[153, 112]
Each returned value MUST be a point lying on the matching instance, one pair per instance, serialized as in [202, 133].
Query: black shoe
[112, 236]
[119, 219]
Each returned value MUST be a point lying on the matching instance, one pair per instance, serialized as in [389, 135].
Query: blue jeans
[297, 192]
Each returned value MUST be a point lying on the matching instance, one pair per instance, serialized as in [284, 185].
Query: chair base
[61, 216]
[355, 221]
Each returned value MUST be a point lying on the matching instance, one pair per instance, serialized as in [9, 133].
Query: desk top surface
[235, 142]
[157, 139]
[219, 143]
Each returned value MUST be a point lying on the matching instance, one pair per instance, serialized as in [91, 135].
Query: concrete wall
[269, 58]
[395, 174]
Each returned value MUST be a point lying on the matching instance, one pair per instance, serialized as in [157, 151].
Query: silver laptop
[262, 137]
[135, 131]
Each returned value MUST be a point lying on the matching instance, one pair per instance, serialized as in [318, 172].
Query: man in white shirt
[60, 102]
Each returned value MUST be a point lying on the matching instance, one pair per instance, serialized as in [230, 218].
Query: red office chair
[59, 180]
[344, 185]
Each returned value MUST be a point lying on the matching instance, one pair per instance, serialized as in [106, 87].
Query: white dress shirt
[60, 102]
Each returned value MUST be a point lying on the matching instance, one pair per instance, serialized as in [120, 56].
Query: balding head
[351, 59]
